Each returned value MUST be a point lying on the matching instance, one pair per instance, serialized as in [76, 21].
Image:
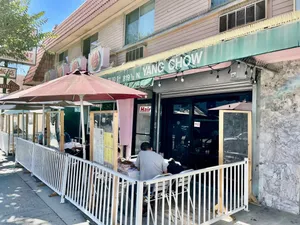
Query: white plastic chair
[161, 191]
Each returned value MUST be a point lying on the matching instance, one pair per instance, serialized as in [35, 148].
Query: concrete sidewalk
[22, 201]
[260, 215]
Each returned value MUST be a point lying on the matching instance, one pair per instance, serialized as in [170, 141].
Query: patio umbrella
[38, 104]
[76, 86]
[25, 107]
[242, 106]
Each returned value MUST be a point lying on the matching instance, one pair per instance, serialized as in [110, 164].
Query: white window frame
[125, 22]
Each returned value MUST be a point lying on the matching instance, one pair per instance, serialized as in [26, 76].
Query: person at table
[149, 163]
[41, 136]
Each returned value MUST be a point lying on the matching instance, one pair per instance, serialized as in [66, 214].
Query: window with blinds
[135, 54]
[242, 16]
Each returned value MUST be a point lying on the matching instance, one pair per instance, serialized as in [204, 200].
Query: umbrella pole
[23, 127]
[82, 125]
[43, 124]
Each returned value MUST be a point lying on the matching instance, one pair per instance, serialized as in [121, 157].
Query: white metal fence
[4, 142]
[197, 197]
[24, 153]
[104, 195]
[108, 197]
[49, 165]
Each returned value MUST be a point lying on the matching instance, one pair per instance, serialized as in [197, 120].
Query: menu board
[108, 149]
[98, 150]
[104, 136]
[235, 137]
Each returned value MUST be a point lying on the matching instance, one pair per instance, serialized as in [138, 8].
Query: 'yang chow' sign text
[175, 64]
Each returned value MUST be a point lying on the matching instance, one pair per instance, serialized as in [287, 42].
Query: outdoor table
[72, 145]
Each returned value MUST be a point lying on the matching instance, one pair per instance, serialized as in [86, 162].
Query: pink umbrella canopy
[76, 86]
[242, 106]
[73, 85]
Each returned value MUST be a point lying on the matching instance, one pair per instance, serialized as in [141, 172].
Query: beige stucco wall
[168, 12]
[281, 6]
[112, 34]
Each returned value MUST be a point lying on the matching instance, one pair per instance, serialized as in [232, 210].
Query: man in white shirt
[149, 163]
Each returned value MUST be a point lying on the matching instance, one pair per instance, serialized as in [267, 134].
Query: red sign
[50, 75]
[62, 69]
[78, 63]
[98, 59]
[145, 109]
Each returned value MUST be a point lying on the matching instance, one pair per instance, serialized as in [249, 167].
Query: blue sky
[56, 11]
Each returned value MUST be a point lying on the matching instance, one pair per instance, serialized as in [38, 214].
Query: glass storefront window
[143, 124]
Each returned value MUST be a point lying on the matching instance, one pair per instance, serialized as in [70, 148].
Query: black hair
[119, 150]
[145, 146]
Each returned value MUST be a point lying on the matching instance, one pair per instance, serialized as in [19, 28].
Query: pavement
[24, 201]
[260, 215]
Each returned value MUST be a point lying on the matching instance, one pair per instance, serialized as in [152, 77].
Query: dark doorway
[190, 131]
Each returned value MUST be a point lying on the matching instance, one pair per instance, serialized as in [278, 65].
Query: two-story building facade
[192, 56]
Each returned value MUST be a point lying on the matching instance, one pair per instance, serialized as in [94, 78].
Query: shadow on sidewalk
[23, 201]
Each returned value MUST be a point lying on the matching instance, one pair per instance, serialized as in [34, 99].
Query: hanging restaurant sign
[8, 72]
[30, 58]
[98, 59]
[62, 69]
[78, 63]
[50, 75]
[174, 64]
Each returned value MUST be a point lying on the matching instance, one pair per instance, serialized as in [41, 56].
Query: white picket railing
[103, 194]
[24, 153]
[197, 197]
[108, 197]
[49, 165]
[4, 142]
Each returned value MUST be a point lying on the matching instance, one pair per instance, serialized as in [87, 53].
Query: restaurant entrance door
[190, 131]
[179, 137]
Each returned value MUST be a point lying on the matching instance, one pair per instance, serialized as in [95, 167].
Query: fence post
[64, 180]
[16, 155]
[32, 160]
[139, 203]
[246, 185]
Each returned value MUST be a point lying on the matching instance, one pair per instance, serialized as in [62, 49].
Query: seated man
[41, 136]
[149, 163]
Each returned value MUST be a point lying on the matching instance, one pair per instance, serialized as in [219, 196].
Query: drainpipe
[158, 122]
[43, 125]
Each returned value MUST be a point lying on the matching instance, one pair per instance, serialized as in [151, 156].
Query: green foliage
[19, 30]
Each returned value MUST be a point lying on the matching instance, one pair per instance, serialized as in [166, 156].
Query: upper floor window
[63, 57]
[245, 15]
[215, 3]
[140, 23]
[89, 44]
[297, 4]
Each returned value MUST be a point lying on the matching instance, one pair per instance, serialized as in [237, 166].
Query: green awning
[263, 41]
[145, 83]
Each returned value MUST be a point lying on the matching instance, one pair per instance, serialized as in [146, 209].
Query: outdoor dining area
[89, 171]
